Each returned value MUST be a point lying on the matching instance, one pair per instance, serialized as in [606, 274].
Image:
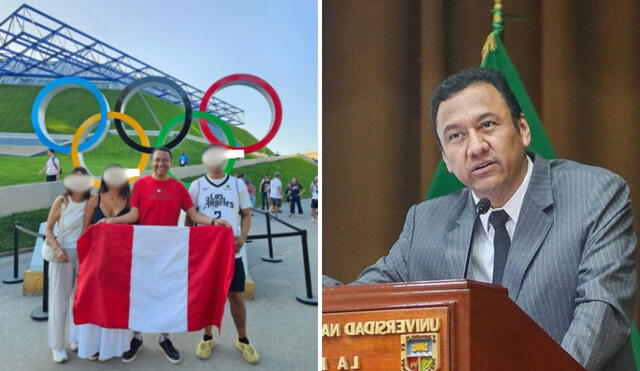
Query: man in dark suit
[558, 234]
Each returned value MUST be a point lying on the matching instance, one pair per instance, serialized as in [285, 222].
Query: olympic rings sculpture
[81, 144]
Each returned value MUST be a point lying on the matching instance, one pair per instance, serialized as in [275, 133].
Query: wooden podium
[437, 325]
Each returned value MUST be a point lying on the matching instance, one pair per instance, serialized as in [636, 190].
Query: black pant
[265, 201]
[293, 201]
[51, 178]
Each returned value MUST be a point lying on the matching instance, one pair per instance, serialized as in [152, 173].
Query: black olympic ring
[138, 85]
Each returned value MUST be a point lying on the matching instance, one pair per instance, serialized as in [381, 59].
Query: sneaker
[170, 352]
[60, 356]
[94, 357]
[73, 347]
[249, 353]
[132, 353]
[312, 220]
[205, 348]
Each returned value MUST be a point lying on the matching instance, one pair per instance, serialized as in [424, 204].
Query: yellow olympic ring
[78, 159]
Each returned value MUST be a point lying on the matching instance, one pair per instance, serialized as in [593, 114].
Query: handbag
[48, 252]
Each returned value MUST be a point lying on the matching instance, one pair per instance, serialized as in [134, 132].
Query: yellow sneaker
[205, 348]
[249, 353]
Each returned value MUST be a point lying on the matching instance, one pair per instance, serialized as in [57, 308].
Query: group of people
[273, 193]
[156, 199]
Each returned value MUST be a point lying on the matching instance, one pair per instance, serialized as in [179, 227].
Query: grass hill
[71, 107]
[24, 170]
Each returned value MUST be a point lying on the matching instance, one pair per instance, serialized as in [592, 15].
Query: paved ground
[282, 329]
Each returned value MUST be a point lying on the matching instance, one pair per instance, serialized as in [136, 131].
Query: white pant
[62, 286]
[92, 339]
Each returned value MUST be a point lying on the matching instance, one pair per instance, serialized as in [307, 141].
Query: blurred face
[78, 183]
[214, 158]
[161, 163]
[115, 178]
[480, 143]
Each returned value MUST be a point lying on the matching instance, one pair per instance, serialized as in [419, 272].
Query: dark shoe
[132, 353]
[170, 352]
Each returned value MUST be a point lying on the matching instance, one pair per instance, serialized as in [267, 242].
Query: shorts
[237, 283]
[277, 202]
[52, 178]
[314, 204]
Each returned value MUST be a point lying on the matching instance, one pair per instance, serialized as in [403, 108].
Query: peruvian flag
[152, 278]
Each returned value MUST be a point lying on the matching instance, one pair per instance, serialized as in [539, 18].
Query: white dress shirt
[53, 164]
[481, 265]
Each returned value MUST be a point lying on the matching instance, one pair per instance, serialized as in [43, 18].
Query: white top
[314, 192]
[70, 223]
[275, 191]
[221, 199]
[53, 166]
[481, 264]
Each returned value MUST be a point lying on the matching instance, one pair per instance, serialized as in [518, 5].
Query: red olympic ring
[253, 82]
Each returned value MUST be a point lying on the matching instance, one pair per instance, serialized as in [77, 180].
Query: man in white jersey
[221, 196]
[275, 194]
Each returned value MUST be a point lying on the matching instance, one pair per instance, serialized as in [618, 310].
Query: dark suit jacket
[571, 264]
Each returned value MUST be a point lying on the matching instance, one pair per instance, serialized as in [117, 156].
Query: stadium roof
[36, 48]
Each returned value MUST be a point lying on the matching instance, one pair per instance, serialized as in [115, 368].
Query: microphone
[481, 208]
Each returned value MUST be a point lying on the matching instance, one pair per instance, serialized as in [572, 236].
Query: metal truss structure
[36, 48]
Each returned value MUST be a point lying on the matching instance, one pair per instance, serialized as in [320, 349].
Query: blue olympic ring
[42, 101]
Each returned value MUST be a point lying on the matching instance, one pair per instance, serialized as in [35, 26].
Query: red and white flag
[153, 279]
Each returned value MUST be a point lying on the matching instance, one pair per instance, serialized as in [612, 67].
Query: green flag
[495, 56]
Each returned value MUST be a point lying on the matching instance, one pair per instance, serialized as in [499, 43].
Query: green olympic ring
[175, 120]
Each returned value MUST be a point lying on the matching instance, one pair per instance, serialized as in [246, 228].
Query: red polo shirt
[159, 202]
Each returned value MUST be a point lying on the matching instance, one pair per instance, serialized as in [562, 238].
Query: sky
[201, 41]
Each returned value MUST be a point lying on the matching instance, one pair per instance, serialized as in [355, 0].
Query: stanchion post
[41, 313]
[308, 298]
[270, 258]
[16, 258]
[45, 288]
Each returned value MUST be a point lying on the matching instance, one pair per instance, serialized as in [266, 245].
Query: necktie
[501, 243]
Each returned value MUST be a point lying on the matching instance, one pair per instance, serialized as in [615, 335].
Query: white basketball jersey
[221, 199]
[218, 201]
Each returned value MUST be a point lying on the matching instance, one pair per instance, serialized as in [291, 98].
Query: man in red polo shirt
[157, 200]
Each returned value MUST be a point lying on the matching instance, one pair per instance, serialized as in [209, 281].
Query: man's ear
[525, 131]
[444, 158]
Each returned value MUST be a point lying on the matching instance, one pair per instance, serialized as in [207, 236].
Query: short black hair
[162, 149]
[52, 151]
[461, 80]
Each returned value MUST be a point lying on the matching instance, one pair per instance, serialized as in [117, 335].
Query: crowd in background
[274, 194]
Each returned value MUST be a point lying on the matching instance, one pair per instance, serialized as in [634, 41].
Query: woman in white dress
[68, 213]
[95, 342]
